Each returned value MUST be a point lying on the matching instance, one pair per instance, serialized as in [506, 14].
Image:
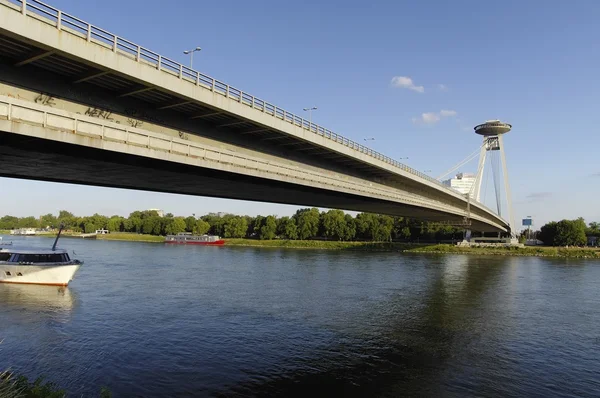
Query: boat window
[39, 258]
[19, 274]
[4, 256]
[7, 273]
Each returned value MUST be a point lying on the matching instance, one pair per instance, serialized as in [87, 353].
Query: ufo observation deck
[492, 128]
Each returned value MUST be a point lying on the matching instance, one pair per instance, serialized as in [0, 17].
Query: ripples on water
[155, 320]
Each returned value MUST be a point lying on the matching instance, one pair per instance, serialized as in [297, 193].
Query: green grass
[131, 237]
[317, 244]
[12, 386]
[418, 248]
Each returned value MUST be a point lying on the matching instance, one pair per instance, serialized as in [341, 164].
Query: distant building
[221, 214]
[23, 231]
[159, 211]
[593, 241]
[463, 182]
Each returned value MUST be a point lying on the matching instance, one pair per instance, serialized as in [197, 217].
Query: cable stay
[471, 156]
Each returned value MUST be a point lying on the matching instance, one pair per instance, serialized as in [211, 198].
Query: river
[153, 320]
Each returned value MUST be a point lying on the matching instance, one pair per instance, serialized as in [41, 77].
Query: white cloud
[406, 82]
[446, 113]
[433, 117]
[442, 87]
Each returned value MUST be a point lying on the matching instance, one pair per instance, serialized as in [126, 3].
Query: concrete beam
[280, 137]
[174, 105]
[137, 90]
[34, 56]
[293, 143]
[90, 76]
[205, 115]
[255, 131]
[235, 123]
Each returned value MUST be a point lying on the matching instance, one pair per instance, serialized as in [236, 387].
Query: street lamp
[309, 110]
[426, 171]
[191, 52]
[405, 159]
[369, 139]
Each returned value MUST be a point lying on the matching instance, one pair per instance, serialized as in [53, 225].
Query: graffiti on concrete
[99, 113]
[134, 122]
[183, 135]
[45, 99]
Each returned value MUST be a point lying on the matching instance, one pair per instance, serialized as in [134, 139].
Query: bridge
[81, 105]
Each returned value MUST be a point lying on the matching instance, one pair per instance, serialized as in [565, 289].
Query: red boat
[186, 238]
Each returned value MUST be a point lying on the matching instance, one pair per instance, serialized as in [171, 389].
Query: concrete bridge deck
[61, 56]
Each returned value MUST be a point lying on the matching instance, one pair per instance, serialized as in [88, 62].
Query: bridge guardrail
[125, 47]
[22, 111]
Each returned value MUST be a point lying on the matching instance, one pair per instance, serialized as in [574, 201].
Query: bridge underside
[39, 159]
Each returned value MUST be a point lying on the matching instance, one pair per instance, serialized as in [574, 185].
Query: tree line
[308, 223]
[567, 232]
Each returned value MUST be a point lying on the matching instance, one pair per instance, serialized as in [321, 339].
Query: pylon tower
[493, 140]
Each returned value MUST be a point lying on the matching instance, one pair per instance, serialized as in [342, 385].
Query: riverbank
[538, 251]
[122, 236]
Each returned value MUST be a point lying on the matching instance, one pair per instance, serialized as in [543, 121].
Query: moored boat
[186, 238]
[38, 266]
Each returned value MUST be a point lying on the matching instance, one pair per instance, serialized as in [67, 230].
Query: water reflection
[406, 341]
[37, 298]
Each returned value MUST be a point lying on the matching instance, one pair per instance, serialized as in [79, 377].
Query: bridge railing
[91, 33]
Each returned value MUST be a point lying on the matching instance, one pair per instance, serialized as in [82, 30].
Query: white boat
[40, 267]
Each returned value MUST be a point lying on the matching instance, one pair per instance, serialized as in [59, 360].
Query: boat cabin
[33, 257]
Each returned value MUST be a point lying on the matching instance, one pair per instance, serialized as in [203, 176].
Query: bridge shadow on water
[416, 341]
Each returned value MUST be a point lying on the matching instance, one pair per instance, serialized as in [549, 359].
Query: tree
[374, 227]
[570, 233]
[290, 229]
[115, 224]
[350, 228]
[281, 225]
[255, 226]
[235, 227]
[548, 233]
[564, 233]
[175, 225]
[307, 221]
[190, 223]
[48, 220]
[28, 222]
[201, 227]
[9, 222]
[334, 224]
[89, 227]
[151, 225]
[269, 228]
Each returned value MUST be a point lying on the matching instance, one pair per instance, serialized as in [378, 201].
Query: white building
[23, 231]
[463, 182]
[159, 211]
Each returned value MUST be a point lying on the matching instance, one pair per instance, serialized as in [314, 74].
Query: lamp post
[369, 139]
[309, 110]
[191, 52]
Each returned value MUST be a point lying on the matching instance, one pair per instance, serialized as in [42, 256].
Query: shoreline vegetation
[310, 228]
[401, 247]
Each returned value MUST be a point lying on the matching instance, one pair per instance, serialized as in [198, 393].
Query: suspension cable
[461, 163]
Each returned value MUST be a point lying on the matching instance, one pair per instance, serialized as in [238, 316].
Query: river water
[153, 320]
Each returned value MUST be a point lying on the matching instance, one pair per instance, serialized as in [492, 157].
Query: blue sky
[416, 76]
